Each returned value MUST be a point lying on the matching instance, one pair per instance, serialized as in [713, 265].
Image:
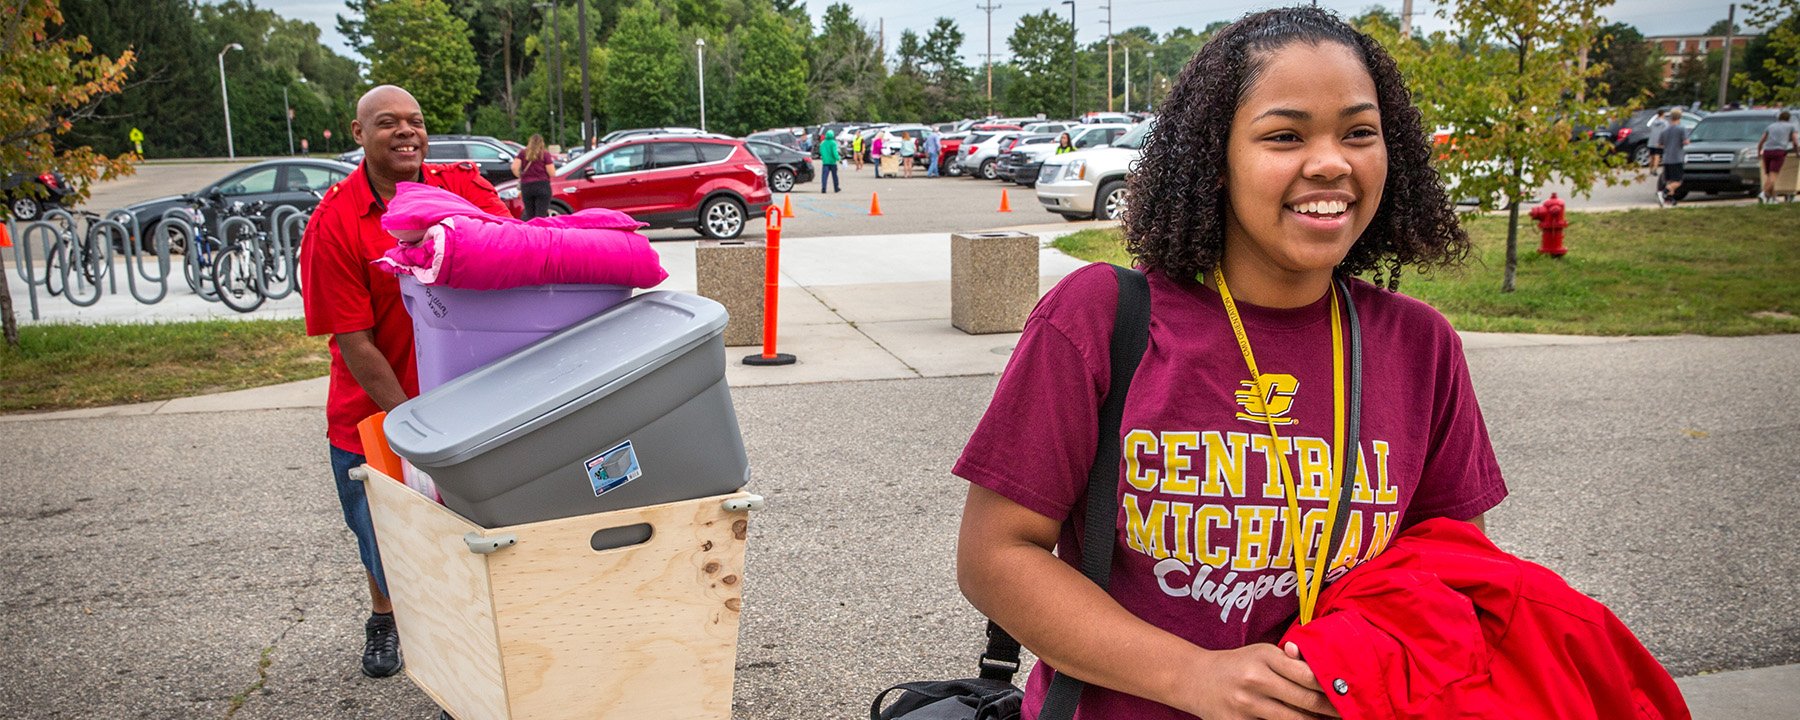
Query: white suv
[980, 159]
[1081, 137]
[1091, 183]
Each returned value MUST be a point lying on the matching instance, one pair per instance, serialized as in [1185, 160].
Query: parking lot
[908, 205]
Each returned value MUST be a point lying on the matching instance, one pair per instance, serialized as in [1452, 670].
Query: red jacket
[1444, 625]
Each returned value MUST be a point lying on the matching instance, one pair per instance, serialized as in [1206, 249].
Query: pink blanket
[447, 240]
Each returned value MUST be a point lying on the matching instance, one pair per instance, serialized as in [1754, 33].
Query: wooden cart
[532, 622]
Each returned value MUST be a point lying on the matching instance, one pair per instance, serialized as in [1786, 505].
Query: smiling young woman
[1288, 160]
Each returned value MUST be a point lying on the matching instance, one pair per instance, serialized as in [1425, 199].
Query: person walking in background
[875, 151]
[1674, 160]
[1654, 130]
[533, 168]
[828, 163]
[1778, 141]
[856, 148]
[909, 149]
[933, 148]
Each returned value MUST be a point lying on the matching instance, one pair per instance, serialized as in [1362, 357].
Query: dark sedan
[787, 167]
[291, 182]
[492, 155]
[28, 196]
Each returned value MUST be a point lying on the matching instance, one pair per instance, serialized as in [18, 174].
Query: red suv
[710, 183]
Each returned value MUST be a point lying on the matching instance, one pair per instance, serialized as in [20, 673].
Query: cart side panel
[441, 594]
[645, 631]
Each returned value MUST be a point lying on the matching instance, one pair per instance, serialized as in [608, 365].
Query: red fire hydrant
[1551, 221]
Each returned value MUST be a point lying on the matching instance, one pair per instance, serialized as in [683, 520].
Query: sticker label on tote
[613, 468]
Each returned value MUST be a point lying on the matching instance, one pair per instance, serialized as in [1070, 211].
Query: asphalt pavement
[187, 559]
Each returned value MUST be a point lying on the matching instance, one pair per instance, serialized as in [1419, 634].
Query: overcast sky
[1651, 17]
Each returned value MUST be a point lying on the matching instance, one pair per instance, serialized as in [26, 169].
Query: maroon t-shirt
[1202, 550]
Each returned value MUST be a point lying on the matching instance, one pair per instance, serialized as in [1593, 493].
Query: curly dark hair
[1177, 222]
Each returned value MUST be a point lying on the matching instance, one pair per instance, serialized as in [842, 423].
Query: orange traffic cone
[874, 204]
[1004, 205]
[5, 237]
[787, 206]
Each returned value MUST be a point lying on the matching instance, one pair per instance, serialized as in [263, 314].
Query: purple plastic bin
[456, 331]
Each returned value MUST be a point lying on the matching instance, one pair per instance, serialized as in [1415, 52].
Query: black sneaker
[381, 647]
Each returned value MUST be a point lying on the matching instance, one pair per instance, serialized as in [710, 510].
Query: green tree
[420, 46]
[1040, 48]
[51, 82]
[949, 92]
[161, 99]
[769, 89]
[845, 68]
[1501, 85]
[1629, 70]
[642, 85]
[1775, 78]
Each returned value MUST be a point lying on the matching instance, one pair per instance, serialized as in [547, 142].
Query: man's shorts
[355, 501]
[1672, 172]
[1773, 160]
[1655, 156]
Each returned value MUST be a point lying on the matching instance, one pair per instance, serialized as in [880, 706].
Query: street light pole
[1074, 111]
[1127, 78]
[230, 148]
[700, 55]
[290, 118]
[1150, 67]
[556, 71]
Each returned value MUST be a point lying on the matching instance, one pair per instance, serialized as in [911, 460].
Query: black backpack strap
[1131, 333]
[1001, 661]
[1352, 424]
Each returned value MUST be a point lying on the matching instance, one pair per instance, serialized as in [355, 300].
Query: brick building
[1673, 49]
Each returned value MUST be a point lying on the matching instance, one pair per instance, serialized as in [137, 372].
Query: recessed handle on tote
[744, 504]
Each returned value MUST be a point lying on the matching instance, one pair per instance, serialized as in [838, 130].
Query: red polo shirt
[343, 293]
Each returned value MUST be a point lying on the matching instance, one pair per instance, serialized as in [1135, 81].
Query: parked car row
[711, 183]
[28, 196]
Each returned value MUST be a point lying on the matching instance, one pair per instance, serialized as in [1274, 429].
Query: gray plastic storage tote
[626, 409]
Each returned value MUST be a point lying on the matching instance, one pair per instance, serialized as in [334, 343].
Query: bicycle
[240, 269]
[75, 257]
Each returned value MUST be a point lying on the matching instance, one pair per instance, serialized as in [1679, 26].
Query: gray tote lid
[558, 375]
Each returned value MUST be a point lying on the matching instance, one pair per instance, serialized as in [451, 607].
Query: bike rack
[66, 243]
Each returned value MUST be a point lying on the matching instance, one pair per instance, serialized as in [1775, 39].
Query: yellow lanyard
[1310, 584]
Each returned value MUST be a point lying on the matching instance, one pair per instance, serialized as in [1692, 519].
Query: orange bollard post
[787, 206]
[1004, 205]
[874, 204]
[771, 291]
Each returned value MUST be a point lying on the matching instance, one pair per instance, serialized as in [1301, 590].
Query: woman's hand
[1257, 681]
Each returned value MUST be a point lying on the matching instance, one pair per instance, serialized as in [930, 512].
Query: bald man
[371, 342]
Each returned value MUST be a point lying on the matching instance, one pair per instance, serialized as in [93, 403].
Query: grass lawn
[59, 367]
[1704, 271]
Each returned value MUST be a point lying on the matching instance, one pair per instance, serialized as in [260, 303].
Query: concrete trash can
[993, 281]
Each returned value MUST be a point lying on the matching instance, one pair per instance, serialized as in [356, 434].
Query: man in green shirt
[828, 159]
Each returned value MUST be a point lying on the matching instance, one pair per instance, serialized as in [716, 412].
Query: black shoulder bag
[992, 696]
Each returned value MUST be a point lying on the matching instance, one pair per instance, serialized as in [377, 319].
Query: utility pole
[1074, 109]
[1109, 53]
[1406, 18]
[881, 44]
[1128, 78]
[1725, 68]
[989, 7]
[587, 101]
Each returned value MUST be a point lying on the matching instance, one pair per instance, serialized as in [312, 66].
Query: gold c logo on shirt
[1269, 403]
